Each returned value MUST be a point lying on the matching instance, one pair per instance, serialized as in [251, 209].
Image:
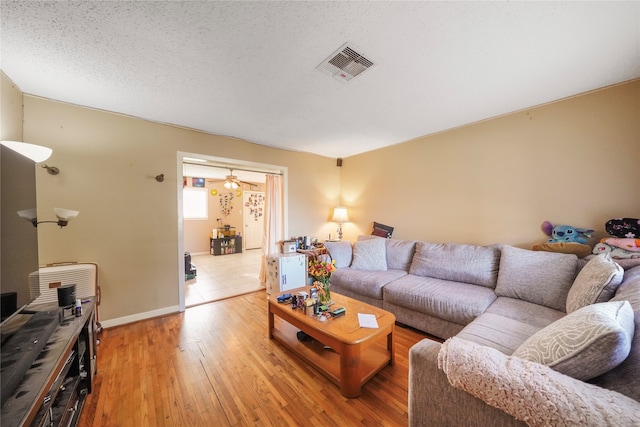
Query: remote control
[338, 312]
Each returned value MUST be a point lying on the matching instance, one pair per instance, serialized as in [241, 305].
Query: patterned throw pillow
[370, 254]
[585, 343]
[596, 282]
[382, 230]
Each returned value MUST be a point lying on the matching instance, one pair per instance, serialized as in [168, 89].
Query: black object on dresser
[52, 386]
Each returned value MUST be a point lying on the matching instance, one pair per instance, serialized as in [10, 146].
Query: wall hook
[160, 178]
[52, 170]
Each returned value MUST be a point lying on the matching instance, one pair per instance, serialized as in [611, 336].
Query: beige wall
[575, 161]
[128, 222]
[11, 108]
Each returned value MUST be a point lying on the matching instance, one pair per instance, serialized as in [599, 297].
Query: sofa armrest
[433, 402]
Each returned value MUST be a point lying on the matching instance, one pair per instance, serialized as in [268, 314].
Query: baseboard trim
[139, 316]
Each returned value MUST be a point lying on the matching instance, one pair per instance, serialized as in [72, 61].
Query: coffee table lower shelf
[373, 357]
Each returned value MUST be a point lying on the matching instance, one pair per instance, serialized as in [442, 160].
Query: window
[194, 203]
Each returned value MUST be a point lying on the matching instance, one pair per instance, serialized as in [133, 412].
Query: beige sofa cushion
[454, 302]
[596, 282]
[539, 277]
[341, 252]
[624, 377]
[400, 253]
[585, 343]
[477, 265]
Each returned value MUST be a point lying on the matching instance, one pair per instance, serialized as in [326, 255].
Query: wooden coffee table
[356, 354]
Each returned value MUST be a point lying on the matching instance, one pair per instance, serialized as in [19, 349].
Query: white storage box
[286, 271]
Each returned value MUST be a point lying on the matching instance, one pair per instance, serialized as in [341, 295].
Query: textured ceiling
[248, 69]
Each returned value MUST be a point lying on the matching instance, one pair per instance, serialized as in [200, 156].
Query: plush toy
[565, 233]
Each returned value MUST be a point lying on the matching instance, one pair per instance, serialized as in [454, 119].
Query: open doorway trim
[262, 167]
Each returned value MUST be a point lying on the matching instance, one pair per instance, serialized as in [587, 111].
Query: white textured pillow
[531, 392]
[370, 255]
[596, 282]
[586, 343]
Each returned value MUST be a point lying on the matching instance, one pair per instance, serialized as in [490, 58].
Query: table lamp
[340, 216]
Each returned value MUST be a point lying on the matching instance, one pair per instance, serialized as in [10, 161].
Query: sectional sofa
[530, 337]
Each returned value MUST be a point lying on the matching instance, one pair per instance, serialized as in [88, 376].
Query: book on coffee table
[367, 321]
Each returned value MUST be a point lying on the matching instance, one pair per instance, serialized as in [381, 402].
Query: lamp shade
[29, 214]
[65, 214]
[340, 215]
[37, 153]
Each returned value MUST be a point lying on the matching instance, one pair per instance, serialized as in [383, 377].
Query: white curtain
[273, 222]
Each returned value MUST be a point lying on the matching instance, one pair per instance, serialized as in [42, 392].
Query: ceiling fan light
[228, 184]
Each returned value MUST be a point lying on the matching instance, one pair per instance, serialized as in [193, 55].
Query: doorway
[221, 275]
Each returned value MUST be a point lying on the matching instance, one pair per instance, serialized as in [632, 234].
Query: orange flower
[321, 269]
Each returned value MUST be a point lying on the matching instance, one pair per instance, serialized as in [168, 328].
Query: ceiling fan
[231, 181]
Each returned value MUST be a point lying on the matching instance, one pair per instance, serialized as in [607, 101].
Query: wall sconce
[63, 215]
[340, 216]
[37, 153]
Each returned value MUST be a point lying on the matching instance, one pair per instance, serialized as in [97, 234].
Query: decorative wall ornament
[226, 203]
[255, 204]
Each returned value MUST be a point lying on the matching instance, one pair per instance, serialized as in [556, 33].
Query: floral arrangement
[321, 273]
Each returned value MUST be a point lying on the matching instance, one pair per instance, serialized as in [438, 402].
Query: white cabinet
[286, 271]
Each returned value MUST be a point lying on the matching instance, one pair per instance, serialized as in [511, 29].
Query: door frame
[261, 167]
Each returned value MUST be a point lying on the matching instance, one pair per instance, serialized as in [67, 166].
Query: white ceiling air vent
[345, 63]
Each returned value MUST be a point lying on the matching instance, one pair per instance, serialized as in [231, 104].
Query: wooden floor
[214, 365]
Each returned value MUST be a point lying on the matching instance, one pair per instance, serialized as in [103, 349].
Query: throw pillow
[596, 282]
[341, 252]
[543, 278]
[586, 343]
[370, 255]
[382, 230]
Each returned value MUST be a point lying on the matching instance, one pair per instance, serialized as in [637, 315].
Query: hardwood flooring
[214, 365]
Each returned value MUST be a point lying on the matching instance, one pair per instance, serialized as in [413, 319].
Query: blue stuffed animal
[565, 233]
